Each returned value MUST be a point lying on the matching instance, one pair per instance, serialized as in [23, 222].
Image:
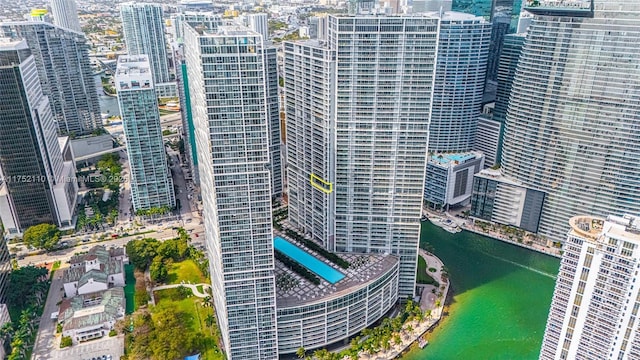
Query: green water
[501, 298]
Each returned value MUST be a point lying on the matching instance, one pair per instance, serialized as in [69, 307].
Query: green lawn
[186, 271]
[422, 276]
[200, 289]
[130, 288]
[196, 313]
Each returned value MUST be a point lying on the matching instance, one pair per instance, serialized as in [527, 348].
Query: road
[45, 339]
[159, 232]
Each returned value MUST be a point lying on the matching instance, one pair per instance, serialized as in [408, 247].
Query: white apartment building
[594, 311]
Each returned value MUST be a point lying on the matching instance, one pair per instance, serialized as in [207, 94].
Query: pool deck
[364, 269]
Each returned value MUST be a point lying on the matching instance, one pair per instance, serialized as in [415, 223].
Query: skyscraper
[38, 185]
[461, 67]
[62, 60]
[151, 183]
[358, 112]
[143, 29]
[273, 117]
[596, 299]
[228, 88]
[259, 23]
[65, 14]
[573, 121]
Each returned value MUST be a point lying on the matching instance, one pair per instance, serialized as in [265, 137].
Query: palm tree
[210, 320]
[301, 352]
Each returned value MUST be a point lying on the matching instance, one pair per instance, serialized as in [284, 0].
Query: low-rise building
[92, 315]
[98, 270]
[499, 199]
[449, 178]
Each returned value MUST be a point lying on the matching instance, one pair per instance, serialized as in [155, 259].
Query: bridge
[100, 153]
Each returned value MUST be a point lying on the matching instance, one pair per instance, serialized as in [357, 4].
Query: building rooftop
[597, 229]
[570, 8]
[92, 309]
[133, 72]
[293, 290]
[447, 159]
[8, 44]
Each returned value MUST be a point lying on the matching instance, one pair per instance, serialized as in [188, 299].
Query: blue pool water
[307, 260]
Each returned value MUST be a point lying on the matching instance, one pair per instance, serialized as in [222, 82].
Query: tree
[210, 320]
[66, 341]
[28, 286]
[301, 352]
[158, 270]
[42, 236]
[142, 252]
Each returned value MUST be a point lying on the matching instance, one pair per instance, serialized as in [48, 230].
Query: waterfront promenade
[469, 225]
[412, 331]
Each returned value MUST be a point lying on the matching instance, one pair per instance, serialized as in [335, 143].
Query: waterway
[501, 298]
[108, 104]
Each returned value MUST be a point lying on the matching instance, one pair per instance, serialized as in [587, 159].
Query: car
[104, 357]
[196, 235]
[85, 247]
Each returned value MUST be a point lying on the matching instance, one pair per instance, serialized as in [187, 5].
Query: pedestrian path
[193, 287]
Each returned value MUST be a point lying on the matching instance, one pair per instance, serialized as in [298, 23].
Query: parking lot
[109, 348]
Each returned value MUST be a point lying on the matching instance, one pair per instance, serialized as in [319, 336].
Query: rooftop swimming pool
[307, 260]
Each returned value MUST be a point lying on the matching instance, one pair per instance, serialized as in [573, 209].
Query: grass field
[186, 271]
[422, 277]
[197, 314]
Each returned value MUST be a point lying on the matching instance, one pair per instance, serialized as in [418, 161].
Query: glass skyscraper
[463, 48]
[62, 59]
[151, 182]
[143, 28]
[35, 187]
[573, 120]
[228, 86]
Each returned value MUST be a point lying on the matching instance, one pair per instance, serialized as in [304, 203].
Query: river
[108, 104]
[501, 298]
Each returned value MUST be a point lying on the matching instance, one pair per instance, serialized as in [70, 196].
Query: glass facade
[151, 182]
[463, 48]
[30, 157]
[62, 59]
[143, 29]
[228, 83]
[573, 122]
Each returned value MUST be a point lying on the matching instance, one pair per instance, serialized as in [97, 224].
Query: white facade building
[228, 90]
[66, 78]
[594, 311]
[358, 110]
[258, 23]
[143, 28]
[151, 182]
[65, 14]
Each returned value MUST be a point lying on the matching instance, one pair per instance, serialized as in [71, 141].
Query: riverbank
[535, 247]
[498, 301]
[432, 303]
[451, 224]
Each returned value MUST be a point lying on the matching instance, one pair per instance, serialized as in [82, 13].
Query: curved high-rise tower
[573, 121]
